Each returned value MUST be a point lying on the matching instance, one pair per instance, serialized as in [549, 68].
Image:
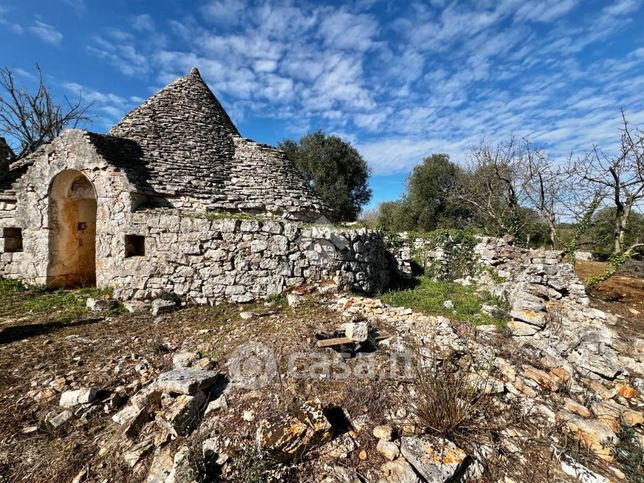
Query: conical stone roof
[185, 135]
[190, 148]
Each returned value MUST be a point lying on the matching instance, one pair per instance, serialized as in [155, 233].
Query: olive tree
[334, 169]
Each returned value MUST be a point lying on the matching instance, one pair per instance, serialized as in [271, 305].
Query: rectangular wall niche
[134, 246]
[12, 239]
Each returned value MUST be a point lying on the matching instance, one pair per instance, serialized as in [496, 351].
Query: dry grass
[448, 404]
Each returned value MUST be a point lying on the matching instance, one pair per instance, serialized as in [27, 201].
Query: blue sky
[399, 79]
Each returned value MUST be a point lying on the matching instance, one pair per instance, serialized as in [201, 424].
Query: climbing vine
[458, 259]
[581, 228]
[615, 262]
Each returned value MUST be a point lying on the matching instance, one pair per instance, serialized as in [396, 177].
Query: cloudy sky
[399, 79]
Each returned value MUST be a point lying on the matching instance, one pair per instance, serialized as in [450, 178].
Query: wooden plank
[332, 342]
[383, 336]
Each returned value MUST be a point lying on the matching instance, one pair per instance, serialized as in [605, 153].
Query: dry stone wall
[74, 151]
[243, 259]
[142, 252]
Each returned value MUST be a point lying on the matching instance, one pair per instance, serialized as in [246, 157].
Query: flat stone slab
[435, 459]
[186, 380]
[161, 306]
[522, 329]
[86, 395]
[531, 317]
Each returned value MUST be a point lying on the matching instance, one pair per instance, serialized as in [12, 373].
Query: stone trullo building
[133, 210]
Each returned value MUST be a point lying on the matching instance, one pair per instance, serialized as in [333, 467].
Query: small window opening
[134, 246]
[12, 239]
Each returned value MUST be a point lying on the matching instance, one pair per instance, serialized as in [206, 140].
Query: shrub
[450, 405]
[628, 453]
[249, 465]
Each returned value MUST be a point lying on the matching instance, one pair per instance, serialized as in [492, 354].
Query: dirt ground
[622, 295]
[47, 350]
[50, 343]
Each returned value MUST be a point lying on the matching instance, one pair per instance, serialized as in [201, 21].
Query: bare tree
[545, 185]
[491, 187]
[621, 177]
[32, 119]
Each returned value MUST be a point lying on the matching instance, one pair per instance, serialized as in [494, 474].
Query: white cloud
[400, 154]
[46, 32]
[343, 30]
[4, 21]
[122, 52]
[544, 10]
[143, 23]
[78, 6]
[423, 78]
[224, 11]
[622, 7]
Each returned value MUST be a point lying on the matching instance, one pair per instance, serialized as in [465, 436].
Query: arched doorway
[72, 231]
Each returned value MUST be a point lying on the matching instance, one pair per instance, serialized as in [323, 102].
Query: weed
[159, 347]
[496, 278]
[628, 453]
[11, 286]
[278, 300]
[65, 305]
[448, 404]
[250, 465]
[430, 294]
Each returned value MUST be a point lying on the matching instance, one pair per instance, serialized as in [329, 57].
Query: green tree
[334, 169]
[429, 195]
[391, 216]
[600, 235]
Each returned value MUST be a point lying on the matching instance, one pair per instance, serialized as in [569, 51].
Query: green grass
[228, 215]
[70, 303]
[18, 299]
[494, 276]
[10, 286]
[429, 295]
[279, 301]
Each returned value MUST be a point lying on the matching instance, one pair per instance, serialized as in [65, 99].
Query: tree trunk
[623, 224]
[619, 215]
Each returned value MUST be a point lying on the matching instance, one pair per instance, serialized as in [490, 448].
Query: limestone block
[434, 459]
[187, 380]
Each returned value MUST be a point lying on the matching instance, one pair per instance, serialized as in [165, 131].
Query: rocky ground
[322, 386]
[622, 295]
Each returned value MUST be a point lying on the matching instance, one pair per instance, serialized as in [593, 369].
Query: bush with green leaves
[459, 259]
[628, 453]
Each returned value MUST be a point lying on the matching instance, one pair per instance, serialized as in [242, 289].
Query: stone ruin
[154, 206]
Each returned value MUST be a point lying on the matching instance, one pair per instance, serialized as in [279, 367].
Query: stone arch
[72, 231]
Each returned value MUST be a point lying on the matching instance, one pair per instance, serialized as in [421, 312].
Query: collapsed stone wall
[240, 260]
[549, 309]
